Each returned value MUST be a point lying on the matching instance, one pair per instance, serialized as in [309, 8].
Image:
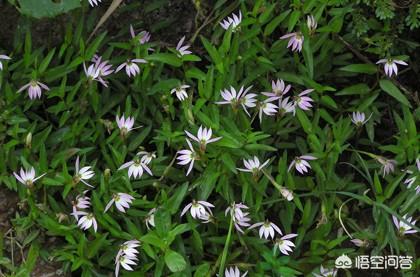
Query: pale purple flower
[122, 201]
[359, 118]
[239, 217]
[136, 167]
[238, 98]
[203, 137]
[390, 66]
[34, 89]
[285, 106]
[410, 181]
[278, 89]
[125, 124]
[284, 244]
[180, 92]
[94, 3]
[182, 49]
[267, 229]
[86, 220]
[187, 157]
[150, 218]
[143, 36]
[127, 256]
[402, 227]
[98, 70]
[311, 23]
[82, 174]
[295, 41]
[325, 272]
[234, 272]
[301, 163]
[253, 165]
[131, 67]
[3, 57]
[198, 209]
[303, 101]
[82, 202]
[359, 242]
[27, 177]
[388, 166]
[267, 108]
[233, 21]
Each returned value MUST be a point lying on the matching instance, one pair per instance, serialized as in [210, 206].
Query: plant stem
[226, 248]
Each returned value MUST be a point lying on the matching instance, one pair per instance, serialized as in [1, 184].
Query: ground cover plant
[209, 138]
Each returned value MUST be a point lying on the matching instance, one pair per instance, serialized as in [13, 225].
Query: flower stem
[226, 248]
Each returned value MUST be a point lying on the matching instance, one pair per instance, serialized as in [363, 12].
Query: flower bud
[28, 140]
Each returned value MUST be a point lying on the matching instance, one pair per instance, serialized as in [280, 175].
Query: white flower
[284, 244]
[127, 256]
[125, 124]
[278, 89]
[239, 217]
[146, 157]
[187, 157]
[402, 227]
[295, 41]
[241, 98]
[285, 106]
[198, 208]
[253, 165]
[27, 177]
[83, 174]
[359, 118]
[267, 229]
[3, 57]
[86, 220]
[302, 101]
[136, 167]
[311, 23]
[301, 163]
[98, 69]
[287, 194]
[144, 36]
[390, 66]
[81, 202]
[182, 49]
[233, 21]
[388, 166]
[180, 92]
[410, 181]
[121, 200]
[129, 248]
[234, 272]
[325, 272]
[267, 108]
[150, 218]
[131, 67]
[34, 89]
[359, 242]
[94, 3]
[203, 137]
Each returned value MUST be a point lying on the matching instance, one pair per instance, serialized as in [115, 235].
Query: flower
[359, 118]
[304, 102]
[402, 227]
[240, 98]
[410, 181]
[390, 66]
[198, 208]
[136, 167]
[234, 272]
[125, 124]
[27, 177]
[81, 202]
[284, 244]
[295, 40]
[233, 21]
[34, 89]
[267, 108]
[253, 165]
[182, 50]
[267, 229]
[359, 242]
[180, 92]
[278, 89]
[83, 174]
[325, 272]
[285, 106]
[388, 166]
[86, 220]
[3, 57]
[131, 67]
[146, 157]
[240, 218]
[94, 3]
[287, 194]
[301, 163]
[187, 157]
[127, 256]
[143, 36]
[311, 23]
[150, 218]
[121, 200]
[98, 69]
[203, 137]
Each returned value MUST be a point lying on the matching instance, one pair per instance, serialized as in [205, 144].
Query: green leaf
[275, 22]
[167, 58]
[47, 8]
[175, 261]
[360, 68]
[391, 89]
